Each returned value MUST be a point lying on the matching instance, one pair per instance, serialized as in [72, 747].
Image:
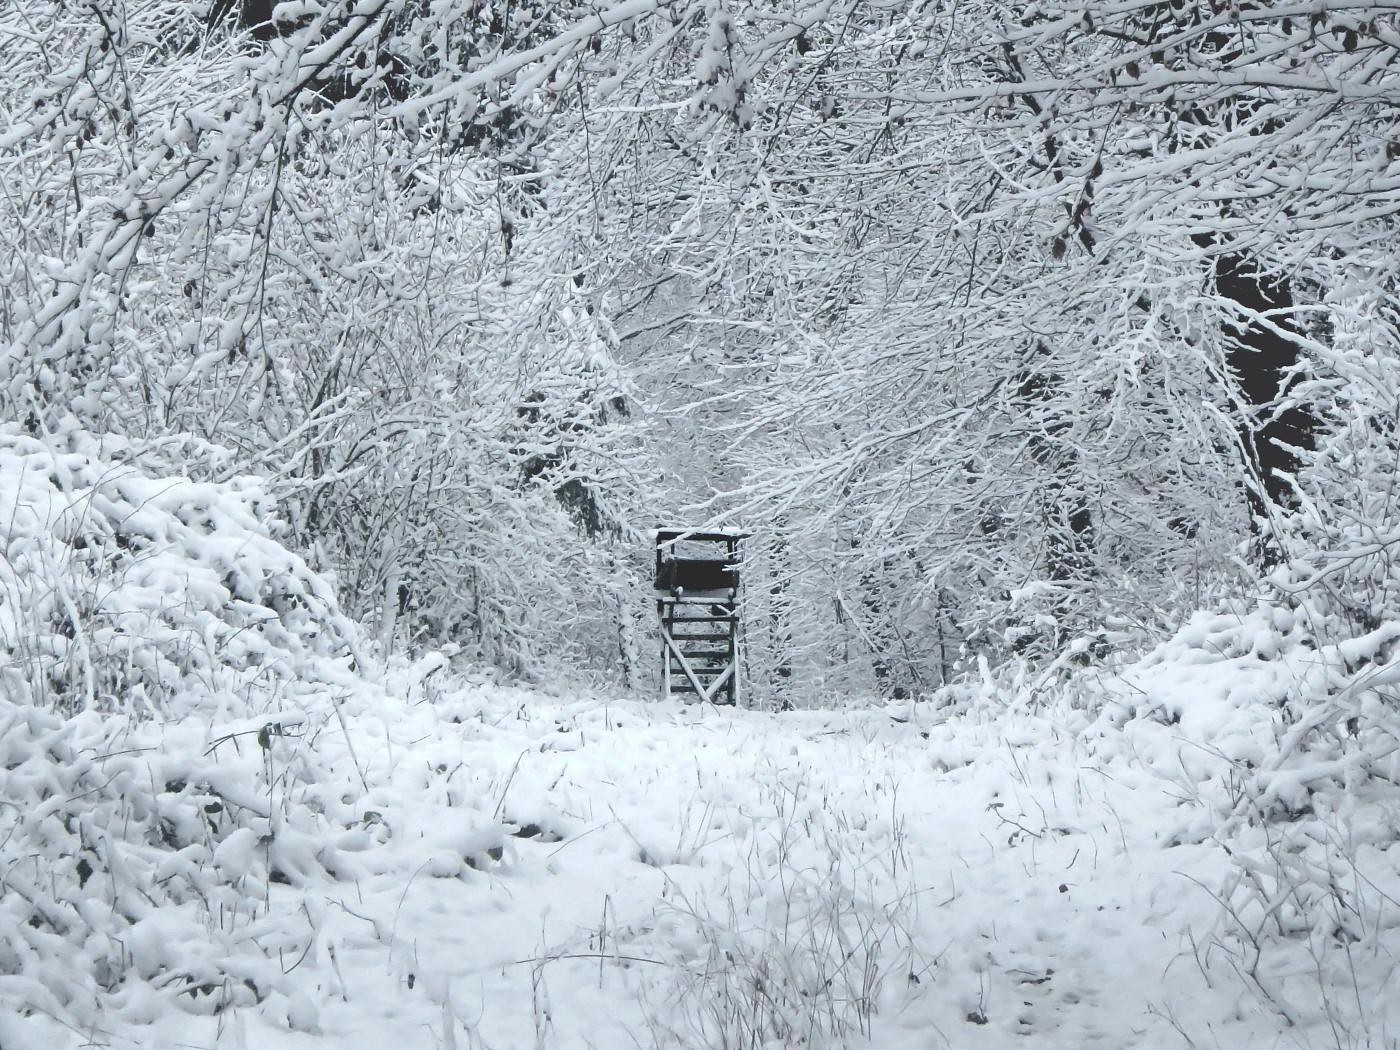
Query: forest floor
[561, 873]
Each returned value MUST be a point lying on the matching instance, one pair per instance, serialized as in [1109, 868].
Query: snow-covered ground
[530, 872]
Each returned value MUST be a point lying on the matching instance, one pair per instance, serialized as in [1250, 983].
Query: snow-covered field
[517, 871]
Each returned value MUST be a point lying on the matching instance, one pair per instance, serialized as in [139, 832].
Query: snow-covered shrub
[137, 867]
[147, 592]
[1281, 720]
[325, 293]
[1281, 727]
[165, 666]
[1343, 538]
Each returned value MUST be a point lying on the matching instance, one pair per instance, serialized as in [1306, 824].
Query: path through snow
[580, 874]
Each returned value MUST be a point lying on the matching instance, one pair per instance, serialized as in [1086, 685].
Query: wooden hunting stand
[697, 600]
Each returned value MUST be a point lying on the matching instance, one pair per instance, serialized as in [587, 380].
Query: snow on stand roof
[666, 535]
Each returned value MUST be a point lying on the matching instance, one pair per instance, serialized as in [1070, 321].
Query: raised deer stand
[697, 602]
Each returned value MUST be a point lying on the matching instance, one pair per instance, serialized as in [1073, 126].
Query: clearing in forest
[538, 872]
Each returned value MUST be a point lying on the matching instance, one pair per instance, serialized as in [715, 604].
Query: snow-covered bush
[137, 864]
[147, 593]
[1281, 719]
[1281, 728]
[165, 666]
[384, 324]
[1344, 536]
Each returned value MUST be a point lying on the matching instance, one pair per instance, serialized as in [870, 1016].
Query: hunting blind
[697, 600]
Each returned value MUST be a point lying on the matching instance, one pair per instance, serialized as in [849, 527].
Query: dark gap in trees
[1263, 357]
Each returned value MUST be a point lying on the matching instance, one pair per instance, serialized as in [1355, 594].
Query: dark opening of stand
[690, 562]
[695, 574]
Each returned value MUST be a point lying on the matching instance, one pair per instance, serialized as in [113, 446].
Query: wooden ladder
[700, 649]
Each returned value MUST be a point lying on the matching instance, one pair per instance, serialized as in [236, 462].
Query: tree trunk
[1263, 359]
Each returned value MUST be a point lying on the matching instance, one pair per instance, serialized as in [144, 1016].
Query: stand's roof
[667, 535]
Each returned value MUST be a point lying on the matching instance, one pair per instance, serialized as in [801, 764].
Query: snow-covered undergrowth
[584, 873]
[506, 869]
[166, 666]
[215, 831]
[1281, 731]
[792, 946]
[147, 593]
